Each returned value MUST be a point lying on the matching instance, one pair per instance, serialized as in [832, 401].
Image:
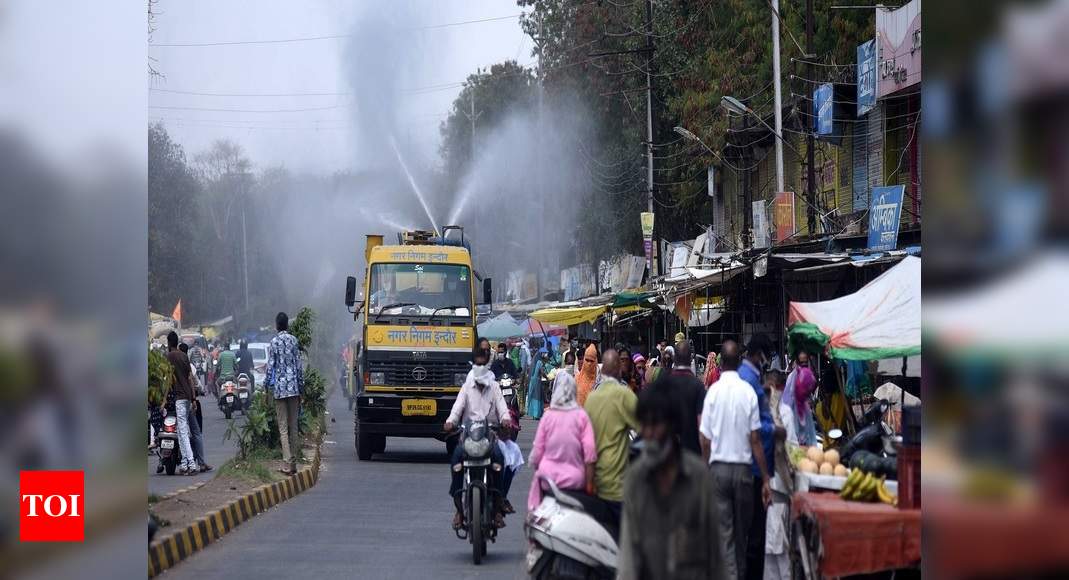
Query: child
[513, 458]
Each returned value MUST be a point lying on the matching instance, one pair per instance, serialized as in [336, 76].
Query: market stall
[863, 515]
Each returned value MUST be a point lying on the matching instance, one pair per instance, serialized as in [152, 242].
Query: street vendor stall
[864, 519]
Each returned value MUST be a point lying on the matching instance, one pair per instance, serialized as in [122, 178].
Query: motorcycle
[228, 398]
[244, 392]
[478, 495]
[565, 540]
[508, 390]
[169, 451]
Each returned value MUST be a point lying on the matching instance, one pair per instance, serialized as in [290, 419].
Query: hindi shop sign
[866, 77]
[784, 215]
[885, 213]
[822, 109]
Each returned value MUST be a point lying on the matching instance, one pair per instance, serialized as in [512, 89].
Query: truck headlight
[459, 378]
[378, 378]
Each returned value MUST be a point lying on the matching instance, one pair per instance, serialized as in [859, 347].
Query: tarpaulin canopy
[632, 298]
[569, 316]
[881, 320]
[534, 327]
[500, 327]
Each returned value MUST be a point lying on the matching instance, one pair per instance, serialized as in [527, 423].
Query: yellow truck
[416, 314]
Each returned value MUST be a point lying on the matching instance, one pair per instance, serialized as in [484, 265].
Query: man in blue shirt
[757, 356]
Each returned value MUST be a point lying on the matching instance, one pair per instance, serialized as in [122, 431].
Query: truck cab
[417, 318]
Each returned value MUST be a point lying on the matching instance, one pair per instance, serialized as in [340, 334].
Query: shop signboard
[866, 77]
[898, 36]
[784, 215]
[885, 213]
[823, 109]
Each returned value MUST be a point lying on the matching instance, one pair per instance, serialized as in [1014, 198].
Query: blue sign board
[866, 77]
[885, 212]
[822, 109]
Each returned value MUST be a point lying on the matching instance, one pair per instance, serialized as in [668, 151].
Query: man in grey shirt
[670, 516]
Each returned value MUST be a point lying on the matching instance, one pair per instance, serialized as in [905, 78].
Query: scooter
[508, 390]
[244, 392]
[167, 440]
[565, 541]
[228, 398]
[478, 494]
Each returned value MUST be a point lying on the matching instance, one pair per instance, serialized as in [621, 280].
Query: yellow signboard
[386, 337]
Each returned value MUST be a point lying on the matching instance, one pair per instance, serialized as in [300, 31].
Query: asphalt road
[387, 518]
[216, 451]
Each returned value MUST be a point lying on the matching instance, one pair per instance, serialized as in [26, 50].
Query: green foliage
[252, 467]
[313, 399]
[260, 429]
[160, 377]
[302, 328]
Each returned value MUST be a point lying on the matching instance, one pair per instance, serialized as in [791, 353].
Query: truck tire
[379, 443]
[364, 444]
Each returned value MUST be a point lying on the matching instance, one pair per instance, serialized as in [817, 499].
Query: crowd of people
[702, 498]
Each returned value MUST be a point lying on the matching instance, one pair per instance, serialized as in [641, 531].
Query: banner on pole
[784, 215]
[760, 225]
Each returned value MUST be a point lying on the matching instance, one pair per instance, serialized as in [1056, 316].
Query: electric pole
[778, 103]
[538, 162]
[472, 117]
[654, 270]
[811, 181]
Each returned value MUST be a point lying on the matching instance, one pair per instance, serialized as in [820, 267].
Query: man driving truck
[479, 399]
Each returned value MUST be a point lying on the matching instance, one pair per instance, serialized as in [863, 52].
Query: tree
[173, 216]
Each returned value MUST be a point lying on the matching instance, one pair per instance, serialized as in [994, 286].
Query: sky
[322, 139]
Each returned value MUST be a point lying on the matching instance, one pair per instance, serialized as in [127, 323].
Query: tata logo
[419, 355]
[419, 374]
[51, 506]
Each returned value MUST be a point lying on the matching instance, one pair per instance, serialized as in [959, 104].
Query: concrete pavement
[388, 518]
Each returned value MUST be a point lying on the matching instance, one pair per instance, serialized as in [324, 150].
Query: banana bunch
[861, 486]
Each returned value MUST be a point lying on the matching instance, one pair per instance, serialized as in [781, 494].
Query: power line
[316, 38]
[168, 108]
[211, 94]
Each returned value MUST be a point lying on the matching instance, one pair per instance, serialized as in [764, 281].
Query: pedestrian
[794, 410]
[245, 363]
[758, 353]
[285, 377]
[534, 388]
[691, 396]
[731, 441]
[640, 368]
[588, 374]
[628, 376]
[564, 449]
[612, 413]
[712, 370]
[196, 417]
[510, 450]
[569, 363]
[773, 381]
[183, 395]
[670, 515]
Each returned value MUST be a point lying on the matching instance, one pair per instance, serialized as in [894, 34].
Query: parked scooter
[169, 450]
[478, 493]
[244, 392]
[565, 541]
[228, 398]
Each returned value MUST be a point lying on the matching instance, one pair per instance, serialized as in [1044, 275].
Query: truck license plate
[412, 407]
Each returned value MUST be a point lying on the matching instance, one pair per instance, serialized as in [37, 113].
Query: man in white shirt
[480, 399]
[730, 440]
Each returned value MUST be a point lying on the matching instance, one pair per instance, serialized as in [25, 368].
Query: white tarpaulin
[881, 320]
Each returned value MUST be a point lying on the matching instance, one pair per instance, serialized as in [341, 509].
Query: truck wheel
[364, 445]
[380, 443]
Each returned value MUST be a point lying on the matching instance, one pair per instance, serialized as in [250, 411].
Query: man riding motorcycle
[479, 399]
[245, 363]
[227, 365]
[502, 364]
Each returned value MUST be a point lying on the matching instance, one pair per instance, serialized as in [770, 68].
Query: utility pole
[811, 180]
[244, 241]
[538, 163]
[778, 103]
[473, 116]
[654, 270]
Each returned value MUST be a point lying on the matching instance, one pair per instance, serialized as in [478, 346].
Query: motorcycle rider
[227, 365]
[479, 399]
[245, 363]
[502, 364]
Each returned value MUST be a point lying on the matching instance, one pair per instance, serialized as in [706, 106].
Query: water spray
[412, 182]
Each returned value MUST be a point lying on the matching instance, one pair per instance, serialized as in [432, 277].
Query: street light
[683, 132]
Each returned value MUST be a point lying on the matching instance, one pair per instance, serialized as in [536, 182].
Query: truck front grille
[433, 373]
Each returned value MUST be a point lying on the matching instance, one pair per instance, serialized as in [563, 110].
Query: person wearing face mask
[479, 399]
[502, 364]
[758, 353]
[569, 363]
[670, 516]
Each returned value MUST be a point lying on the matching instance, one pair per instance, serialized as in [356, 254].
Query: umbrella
[532, 327]
[500, 327]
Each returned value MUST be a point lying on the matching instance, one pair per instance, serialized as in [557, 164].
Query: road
[216, 451]
[387, 518]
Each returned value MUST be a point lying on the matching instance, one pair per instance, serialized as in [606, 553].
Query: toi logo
[51, 506]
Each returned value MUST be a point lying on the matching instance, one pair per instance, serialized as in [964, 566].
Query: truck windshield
[420, 289]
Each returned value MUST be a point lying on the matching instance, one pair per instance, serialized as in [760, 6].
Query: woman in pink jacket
[564, 449]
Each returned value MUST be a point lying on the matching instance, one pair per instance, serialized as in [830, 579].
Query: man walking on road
[670, 516]
[730, 428]
[183, 390]
[611, 408]
[758, 353]
[196, 417]
[691, 394]
[285, 377]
